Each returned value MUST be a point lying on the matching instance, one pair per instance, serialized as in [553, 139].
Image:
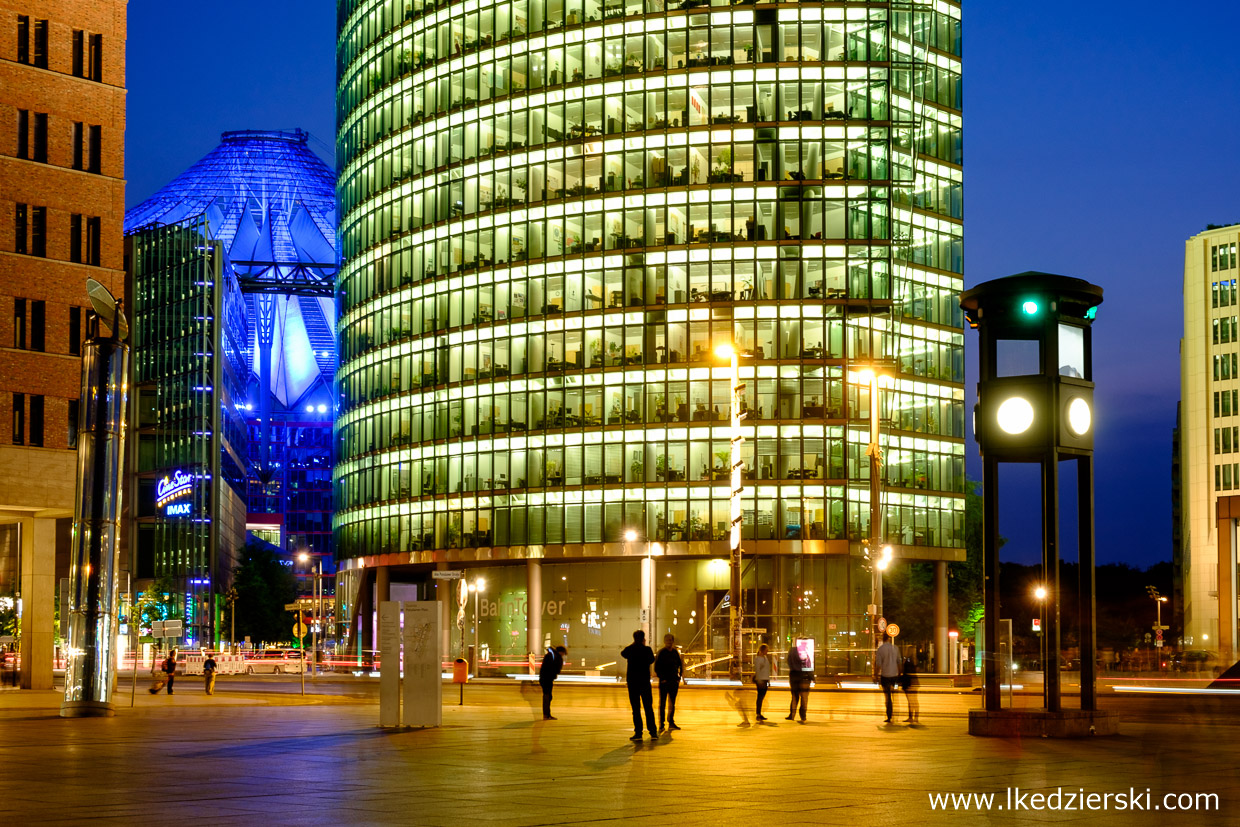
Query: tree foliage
[264, 585]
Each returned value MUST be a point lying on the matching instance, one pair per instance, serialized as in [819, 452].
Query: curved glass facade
[552, 211]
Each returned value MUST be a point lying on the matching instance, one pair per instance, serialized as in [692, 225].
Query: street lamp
[880, 559]
[732, 354]
[1040, 594]
[318, 610]
[1158, 627]
[476, 587]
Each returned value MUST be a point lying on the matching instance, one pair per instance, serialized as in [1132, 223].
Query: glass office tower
[551, 212]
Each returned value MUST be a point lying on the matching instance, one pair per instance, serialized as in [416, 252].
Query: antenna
[107, 308]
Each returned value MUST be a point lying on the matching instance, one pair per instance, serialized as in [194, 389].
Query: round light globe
[1015, 415]
[1079, 416]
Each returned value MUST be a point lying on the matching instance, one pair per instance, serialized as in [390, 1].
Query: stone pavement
[265, 758]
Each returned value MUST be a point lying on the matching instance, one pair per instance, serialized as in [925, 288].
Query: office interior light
[1080, 418]
[1015, 415]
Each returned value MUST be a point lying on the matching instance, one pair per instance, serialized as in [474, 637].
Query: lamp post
[878, 553]
[1158, 627]
[732, 354]
[647, 584]
[476, 587]
[1040, 594]
[318, 610]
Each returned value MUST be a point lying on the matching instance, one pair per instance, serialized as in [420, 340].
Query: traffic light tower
[1035, 403]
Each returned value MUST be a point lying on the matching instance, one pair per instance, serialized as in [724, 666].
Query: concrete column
[383, 593]
[940, 617]
[38, 583]
[647, 592]
[533, 609]
[445, 594]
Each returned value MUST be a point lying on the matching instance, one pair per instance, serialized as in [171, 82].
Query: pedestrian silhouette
[552, 663]
[669, 666]
[908, 682]
[887, 671]
[640, 658]
[763, 669]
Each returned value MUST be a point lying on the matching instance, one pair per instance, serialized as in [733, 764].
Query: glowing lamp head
[883, 563]
[1015, 415]
[630, 536]
[1080, 418]
[303, 558]
[1029, 307]
[1040, 593]
[725, 351]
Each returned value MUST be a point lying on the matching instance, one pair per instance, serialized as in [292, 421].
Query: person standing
[669, 666]
[763, 668]
[208, 674]
[169, 668]
[887, 670]
[908, 682]
[640, 658]
[798, 683]
[552, 663]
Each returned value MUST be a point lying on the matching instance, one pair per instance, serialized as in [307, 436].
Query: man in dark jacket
[670, 667]
[169, 668]
[798, 682]
[552, 663]
[640, 658]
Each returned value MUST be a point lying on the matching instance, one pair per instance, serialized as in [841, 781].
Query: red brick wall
[55, 280]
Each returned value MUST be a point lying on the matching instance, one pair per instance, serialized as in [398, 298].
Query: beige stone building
[1210, 440]
[62, 199]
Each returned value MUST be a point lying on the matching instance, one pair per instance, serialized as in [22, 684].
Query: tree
[264, 585]
[158, 602]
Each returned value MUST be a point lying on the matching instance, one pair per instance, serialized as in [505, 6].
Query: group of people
[669, 667]
[166, 674]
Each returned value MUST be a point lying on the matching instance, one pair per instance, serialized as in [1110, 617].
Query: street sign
[299, 629]
[756, 630]
[447, 575]
[882, 624]
[292, 607]
[1158, 643]
[1037, 624]
[892, 629]
[165, 628]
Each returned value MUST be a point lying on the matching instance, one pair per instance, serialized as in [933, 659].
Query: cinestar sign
[173, 486]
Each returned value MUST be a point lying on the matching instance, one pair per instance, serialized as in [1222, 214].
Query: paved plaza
[264, 755]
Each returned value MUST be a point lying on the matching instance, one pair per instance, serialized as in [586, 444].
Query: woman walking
[763, 668]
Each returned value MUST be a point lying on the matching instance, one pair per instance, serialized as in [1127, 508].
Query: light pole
[476, 587]
[878, 553]
[1158, 627]
[1040, 594]
[231, 599]
[647, 584]
[318, 611]
[732, 354]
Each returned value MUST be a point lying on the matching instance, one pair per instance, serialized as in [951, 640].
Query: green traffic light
[1030, 307]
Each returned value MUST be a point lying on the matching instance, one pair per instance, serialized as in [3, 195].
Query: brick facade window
[23, 133]
[36, 420]
[40, 44]
[21, 213]
[19, 419]
[23, 38]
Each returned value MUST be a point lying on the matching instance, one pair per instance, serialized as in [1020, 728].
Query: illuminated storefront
[552, 213]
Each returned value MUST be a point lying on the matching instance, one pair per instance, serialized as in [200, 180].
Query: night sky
[1098, 138]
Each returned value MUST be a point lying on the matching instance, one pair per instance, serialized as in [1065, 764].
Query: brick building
[62, 204]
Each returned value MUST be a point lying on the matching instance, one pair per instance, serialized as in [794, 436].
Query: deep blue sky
[1098, 137]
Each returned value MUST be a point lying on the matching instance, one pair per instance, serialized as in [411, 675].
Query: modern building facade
[1209, 441]
[552, 212]
[231, 268]
[62, 201]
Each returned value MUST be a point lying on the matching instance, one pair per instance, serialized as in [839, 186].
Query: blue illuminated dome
[270, 201]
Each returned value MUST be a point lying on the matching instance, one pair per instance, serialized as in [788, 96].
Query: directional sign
[299, 629]
[166, 628]
[292, 607]
[447, 575]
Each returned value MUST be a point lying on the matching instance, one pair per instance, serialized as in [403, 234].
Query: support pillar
[990, 588]
[445, 594]
[364, 631]
[1050, 574]
[383, 594]
[940, 617]
[533, 609]
[647, 588]
[1088, 581]
[38, 582]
